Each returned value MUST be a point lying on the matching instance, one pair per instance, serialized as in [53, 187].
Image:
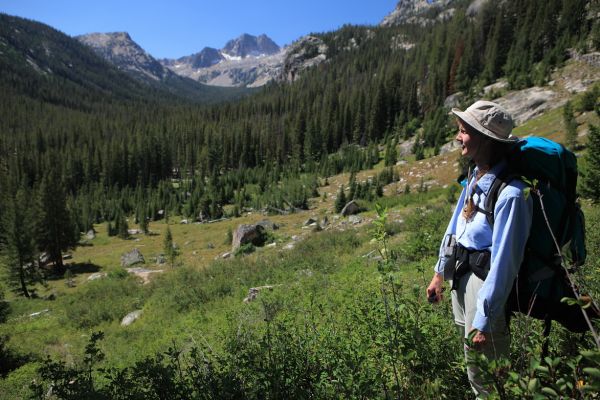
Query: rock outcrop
[307, 52]
[350, 209]
[131, 317]
[131, 258]
[244, 234]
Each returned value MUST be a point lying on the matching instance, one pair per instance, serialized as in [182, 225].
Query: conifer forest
[84, 148]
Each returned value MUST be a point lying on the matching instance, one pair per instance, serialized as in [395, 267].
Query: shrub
[102, 300]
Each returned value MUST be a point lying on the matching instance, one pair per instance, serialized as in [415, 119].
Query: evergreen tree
[122, 226]
[169, 248]
[18, 233]
[570, 126]
[56, 229]
[590, 182]
[391, 154]
[340, 201]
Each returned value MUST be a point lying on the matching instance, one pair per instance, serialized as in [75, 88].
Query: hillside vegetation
[340, 310]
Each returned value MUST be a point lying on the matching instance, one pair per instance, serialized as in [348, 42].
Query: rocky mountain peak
[119, 49]
[249, 45]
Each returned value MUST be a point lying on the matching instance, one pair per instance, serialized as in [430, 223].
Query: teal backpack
[558, 223]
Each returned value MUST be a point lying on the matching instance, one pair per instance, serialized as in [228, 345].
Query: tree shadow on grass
[75, 268]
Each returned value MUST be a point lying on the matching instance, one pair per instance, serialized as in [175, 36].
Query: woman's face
[470, 143]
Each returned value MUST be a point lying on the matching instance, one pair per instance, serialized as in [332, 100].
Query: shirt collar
[485, 182]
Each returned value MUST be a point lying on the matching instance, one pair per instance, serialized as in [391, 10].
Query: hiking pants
[464, 306]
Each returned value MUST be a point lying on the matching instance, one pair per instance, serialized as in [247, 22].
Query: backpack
[544, 277]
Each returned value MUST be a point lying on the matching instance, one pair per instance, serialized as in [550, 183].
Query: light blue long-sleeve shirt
[505, 240]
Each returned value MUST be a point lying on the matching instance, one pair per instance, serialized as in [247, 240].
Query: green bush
[101, 301]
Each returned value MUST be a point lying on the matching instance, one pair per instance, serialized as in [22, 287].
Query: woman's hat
[489, 119]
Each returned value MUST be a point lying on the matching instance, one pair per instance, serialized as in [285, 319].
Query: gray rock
[526, 104]
[453, 100]
[134, 231]
[97, 275]
[350, 209]
[307, 52]
[131, 317]
[495, 87]
[309, 222]
[67, 256]
[90, 235]
[131, 258]
[449, 147]
[267, 224]
[355, 219]
[254, 234]
[160, 259]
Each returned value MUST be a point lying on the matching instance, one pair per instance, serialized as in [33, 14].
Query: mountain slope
[120, 50]
[247, 61]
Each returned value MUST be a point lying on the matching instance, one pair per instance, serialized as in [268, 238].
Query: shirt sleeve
[512, 222]
[450, 230]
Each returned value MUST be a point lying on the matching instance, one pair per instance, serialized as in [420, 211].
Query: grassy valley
[332, 307]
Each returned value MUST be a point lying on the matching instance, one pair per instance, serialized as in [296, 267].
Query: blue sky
[178, 28]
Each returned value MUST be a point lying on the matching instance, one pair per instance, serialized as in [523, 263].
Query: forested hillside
[111, 137]
[84, 146]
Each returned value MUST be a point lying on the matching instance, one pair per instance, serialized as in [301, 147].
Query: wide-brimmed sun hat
[489, 119]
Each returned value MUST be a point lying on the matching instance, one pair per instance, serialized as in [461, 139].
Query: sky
[177, 28]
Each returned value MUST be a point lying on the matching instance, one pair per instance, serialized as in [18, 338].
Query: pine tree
[590, 182]
[56, 231]
[18, 234]
[122, 226]
[570, 126]
[169, 248]
[340, 201]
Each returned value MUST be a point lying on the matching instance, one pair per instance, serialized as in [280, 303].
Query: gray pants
[464, 306]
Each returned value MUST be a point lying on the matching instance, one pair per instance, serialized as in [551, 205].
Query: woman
[480, 259]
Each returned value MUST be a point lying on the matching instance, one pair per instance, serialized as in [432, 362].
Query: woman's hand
[434, 290]
[479, 340]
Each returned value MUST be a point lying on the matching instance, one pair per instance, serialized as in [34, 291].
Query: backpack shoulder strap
[501, 181]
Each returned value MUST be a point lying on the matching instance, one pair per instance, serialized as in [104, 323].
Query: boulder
[131, 258]
[244, 234]
[90, 235]
[97, 275]
[453, 100]
[449, 147]
[309, 222]
[160, 259]
[269, 225]
[131, 317]
[350, 208]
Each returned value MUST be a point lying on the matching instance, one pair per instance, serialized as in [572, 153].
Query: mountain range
[248, 61]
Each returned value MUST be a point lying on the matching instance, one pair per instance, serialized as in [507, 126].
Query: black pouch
[450, 254]
[479, 261]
